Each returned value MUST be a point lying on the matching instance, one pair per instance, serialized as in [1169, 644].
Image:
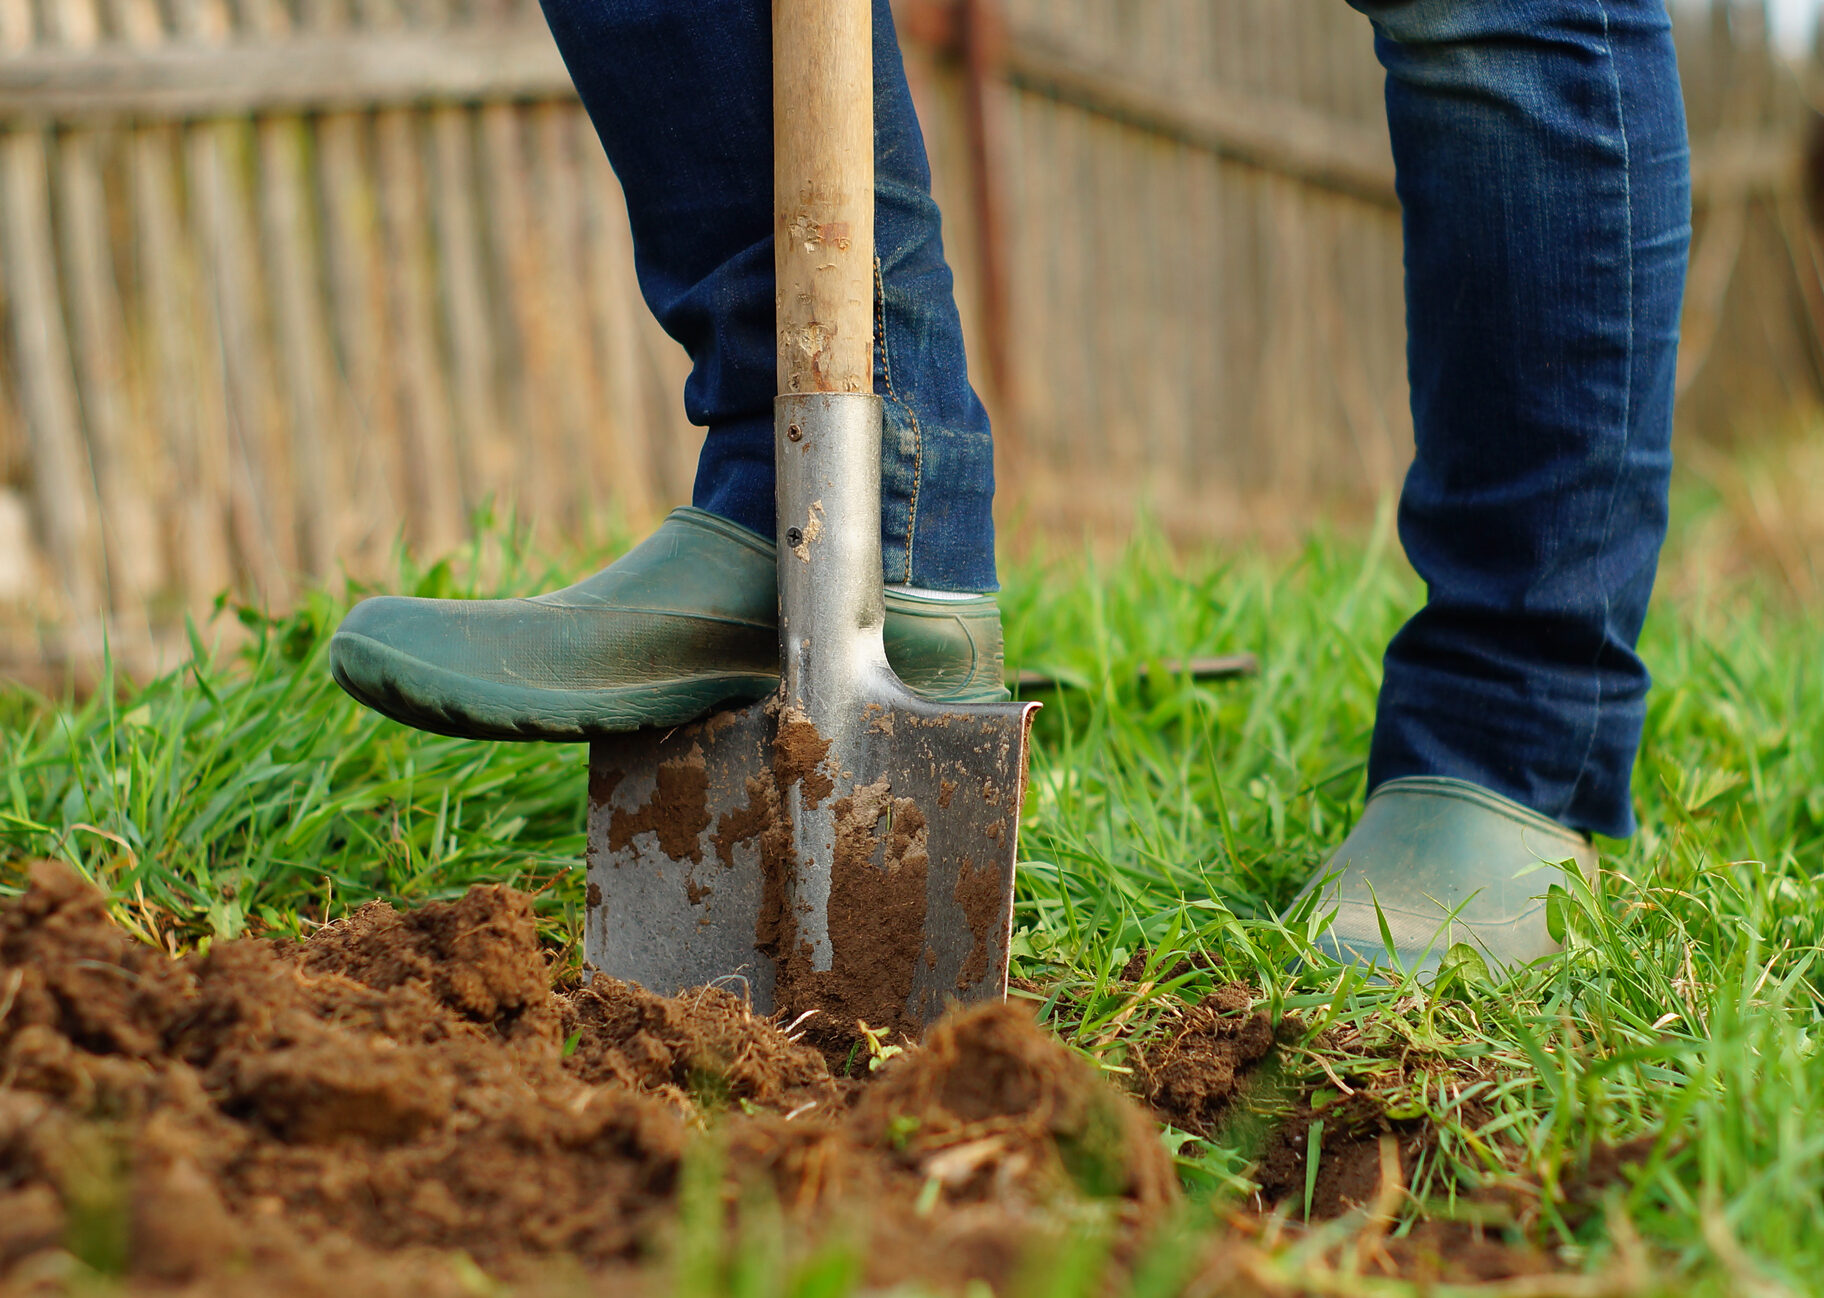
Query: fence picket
[475, 427]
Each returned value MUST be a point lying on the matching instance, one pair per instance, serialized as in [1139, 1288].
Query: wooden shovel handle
[823, 193]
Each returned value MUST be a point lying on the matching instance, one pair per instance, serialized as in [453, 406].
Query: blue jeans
[1543, 171]
[1545, 179]
[682, 97]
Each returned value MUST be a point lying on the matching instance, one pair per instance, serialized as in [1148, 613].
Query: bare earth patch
[403, 1100]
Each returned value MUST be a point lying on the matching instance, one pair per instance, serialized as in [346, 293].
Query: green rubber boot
[683, 623]
[1427, 848]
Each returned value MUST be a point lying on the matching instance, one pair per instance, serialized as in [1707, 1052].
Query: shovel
[843, 846]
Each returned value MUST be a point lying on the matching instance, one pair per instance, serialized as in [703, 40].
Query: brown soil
[351, 1112]
[1349, 1169]
[799, 750]
[403, 1101]
[876, 915]
[877, 893]
[677, 812]
[1193, 1071]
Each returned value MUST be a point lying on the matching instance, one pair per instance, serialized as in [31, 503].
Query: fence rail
[309, 73]
[285, 281]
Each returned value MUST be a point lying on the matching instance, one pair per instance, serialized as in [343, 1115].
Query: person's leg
[681, 96]
[1543, 171]
[1544, 177]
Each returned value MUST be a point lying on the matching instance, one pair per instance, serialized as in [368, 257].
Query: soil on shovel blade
[404, 1105]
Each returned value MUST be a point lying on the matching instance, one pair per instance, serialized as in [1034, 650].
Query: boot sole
[426, 697]
[418, 694]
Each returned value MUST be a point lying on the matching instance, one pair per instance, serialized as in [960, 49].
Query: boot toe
[379, 620]
[1442, 862]
[378, 655]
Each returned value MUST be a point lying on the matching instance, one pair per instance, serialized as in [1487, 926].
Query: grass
[247, 794]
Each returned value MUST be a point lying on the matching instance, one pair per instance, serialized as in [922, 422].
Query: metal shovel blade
[696, 874]
[843, 846]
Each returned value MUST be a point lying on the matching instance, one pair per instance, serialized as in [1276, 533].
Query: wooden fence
[286, 282]
[1205, 292]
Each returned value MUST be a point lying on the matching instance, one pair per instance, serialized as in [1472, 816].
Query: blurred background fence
[285, 281]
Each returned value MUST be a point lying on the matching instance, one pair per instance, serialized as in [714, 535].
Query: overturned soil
[403, 1104]
[1192, 1072]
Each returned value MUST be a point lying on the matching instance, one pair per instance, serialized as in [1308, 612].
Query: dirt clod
[477, 956]
[1193, 1073]
[703, 1048]
[991, 1092]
